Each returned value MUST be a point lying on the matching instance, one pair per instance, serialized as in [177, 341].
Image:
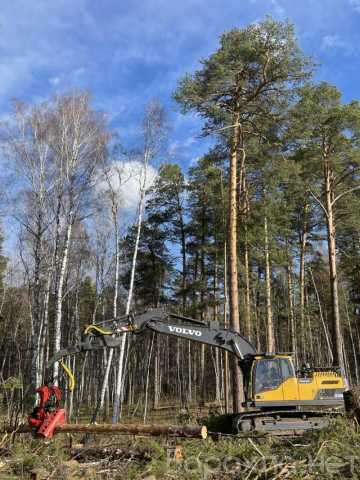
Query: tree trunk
[183, 256]
[189, 395]
[104, 385]
[217, 353]
[337, 342]
[226, 356]
[291, 312]
[148, 378]
[119, 377]
[237, 380]
[328, 343]
[245, 210]
[117, 265]
[303, 240]
[202, 303]
[247, 289]
[157, 377]
[45, 328]
[35, 314]
[269, 315]
[59, 296]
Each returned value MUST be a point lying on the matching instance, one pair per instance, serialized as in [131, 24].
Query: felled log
[188, 431]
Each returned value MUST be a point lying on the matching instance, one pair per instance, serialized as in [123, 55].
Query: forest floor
[331, 453]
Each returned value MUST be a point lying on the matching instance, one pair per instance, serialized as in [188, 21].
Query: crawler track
[286, 422]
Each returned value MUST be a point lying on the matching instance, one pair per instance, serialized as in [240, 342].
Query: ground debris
[5, 451]
[331, 453]
[110, 453]
[39, 473]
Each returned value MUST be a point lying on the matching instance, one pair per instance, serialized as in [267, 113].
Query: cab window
[287, 369]
[268, 375]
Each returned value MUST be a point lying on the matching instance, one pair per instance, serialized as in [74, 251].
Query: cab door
[290, 381]
[267, 381]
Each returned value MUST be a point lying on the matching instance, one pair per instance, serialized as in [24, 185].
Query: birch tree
[153, 130]
[26, 143]
[114, 181]
[77, 137]
[153, 135]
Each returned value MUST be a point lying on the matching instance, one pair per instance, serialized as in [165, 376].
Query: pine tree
[328, 133]
[246, 80]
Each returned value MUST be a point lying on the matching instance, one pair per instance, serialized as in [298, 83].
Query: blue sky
[127, 52]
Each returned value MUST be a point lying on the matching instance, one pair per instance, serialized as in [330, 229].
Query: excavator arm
[109, 334]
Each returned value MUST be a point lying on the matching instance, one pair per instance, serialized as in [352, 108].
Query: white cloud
[177, 145]
[79, 71]
[125, 179]
[189, 141]
[67, 78]
[329, 42]
[54, 81]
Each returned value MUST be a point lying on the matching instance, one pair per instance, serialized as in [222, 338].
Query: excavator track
[286, 422]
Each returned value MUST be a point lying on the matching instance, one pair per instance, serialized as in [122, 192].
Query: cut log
[188, 431]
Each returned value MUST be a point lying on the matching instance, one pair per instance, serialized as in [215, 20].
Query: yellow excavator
[277, 397]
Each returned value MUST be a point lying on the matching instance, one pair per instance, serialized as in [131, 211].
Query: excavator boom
[108, 335]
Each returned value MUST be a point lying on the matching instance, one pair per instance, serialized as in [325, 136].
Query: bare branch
[319, 202]
[344, 193]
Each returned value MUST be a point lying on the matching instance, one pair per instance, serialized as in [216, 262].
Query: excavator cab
[270, 373]
[275, 383]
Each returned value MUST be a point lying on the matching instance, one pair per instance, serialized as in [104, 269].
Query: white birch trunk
[44, 332]
[119, 379]
[105, 382]
[60, 296]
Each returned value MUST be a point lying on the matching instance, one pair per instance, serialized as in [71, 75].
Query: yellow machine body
[274, 383]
